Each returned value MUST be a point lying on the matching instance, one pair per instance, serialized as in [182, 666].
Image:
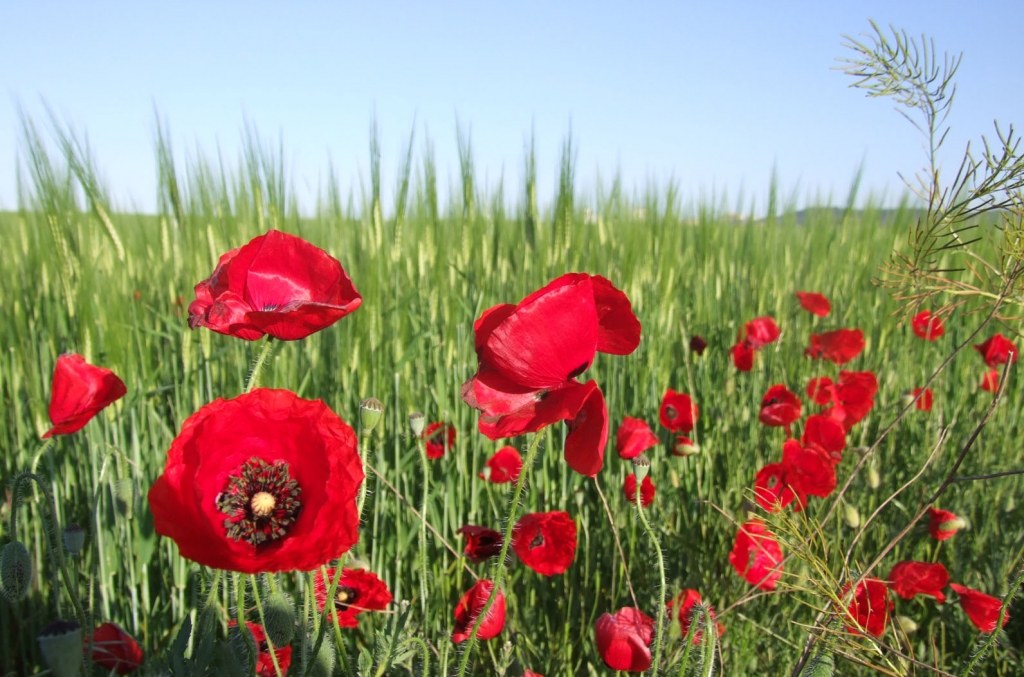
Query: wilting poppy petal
[761, 331]
[942, 524]
[756, 555]
[509, 410]
[927, 326]
[357, 591]
[742, 356]
[545, 542]
[990, 381]
[770, 489]
[839, 346]
[264, 663]
[481, 543]
[686, 601]
[908, 579]
[678, 411]
[698, 344]
[820, 390]
[588, 433]
[824, 433]
[633, 438]
[982, 609]
[624, 639]
[997, 350]
[80, 391]
[469, 608]
[115, 650]
[869, 607]
[647, 490]
[618, 330]
[440, 438]
[814, 303]
[923, 403]
[504, 466]
[779, 407]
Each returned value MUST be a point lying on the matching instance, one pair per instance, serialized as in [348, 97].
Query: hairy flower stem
[425, 466]
[250, 641]
[257, 367]
[499, 565]
[263, 621]
[328, 611]
[660, 614]
[687, 644]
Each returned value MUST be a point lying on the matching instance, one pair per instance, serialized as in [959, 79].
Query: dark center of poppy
[437, 437]
[344, 597]
[261, 502]
[671, 412]
[577, 371]
[537, 541]
[770, 402]
[773, 481]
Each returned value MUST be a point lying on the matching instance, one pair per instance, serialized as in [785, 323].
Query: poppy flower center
[344, 597]
[537, 541]
[671, 412]
[261, 501]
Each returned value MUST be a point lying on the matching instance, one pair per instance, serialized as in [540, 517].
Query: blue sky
[712, 95]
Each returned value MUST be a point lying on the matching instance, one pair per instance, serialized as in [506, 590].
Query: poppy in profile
[624, 639]
[698, 344]
[647, 490]
[923, 403]
[814, 303]
[469, 608]
[278, 284]
[545, 541]
[825, 434]
[998, 350]
[78, 392]
[504, 466]
[839, 346]
[264, 663]
[869, 608]
[481, 543]
[358, 590]
[685, 601]
[819, 390]
[982, 609]
[678, 412]
[909, 579]
[115, 650]
[742, 356]
[928, 326]
[942, 524]
[440, 437]
[780, 407]
[756, 555]
[990, 381]
[531, 354]
[634, 438]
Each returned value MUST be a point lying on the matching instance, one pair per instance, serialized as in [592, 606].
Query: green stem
[426, 654]
[250, 641]
[689, 644]
[263, 621]
[211, 594]
[425, 465]
[661, 574]
[499, 566]
[257, 367]
[325, 614]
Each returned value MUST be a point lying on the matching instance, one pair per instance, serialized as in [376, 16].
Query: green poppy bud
[417, 422]
[370, 412]
[851, 516]
[323, 661]
[60, 643]
[15, 571]
[906, 624]
[874, 480]
[279, 617]
[74, 539]
[124, 497]
[641, 466]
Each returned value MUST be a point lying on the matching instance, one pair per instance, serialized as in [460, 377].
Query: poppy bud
[851, 516]
[906, 624]
[323, 662]
[124, 497]
[15, 571]
[74, 539]
[684, 446]
[874, 479]
[906, 399]
[60, 643]
[417, 422]
[1011, 503]
[580, 497]
[641, 466]
[370, 412]
[279, 617]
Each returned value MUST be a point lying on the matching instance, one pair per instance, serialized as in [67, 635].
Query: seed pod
[279, 617]
[641, 466]
[371, 410]
[74, 539]
[60, 643]
[417, 422]
[15, 571]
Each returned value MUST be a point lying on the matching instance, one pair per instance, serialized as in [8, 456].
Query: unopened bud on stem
[279, 617]
[15, 571]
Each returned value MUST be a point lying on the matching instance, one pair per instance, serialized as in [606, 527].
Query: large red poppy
[780, 407]
[530, 355]
[686, 601]
[908, 579]
[814, 303]
[852, 397]
[927, 326]
[634, 438]
[647, 490]
[482, 543]
[115, 650]
[756, 555]
[264, 482]
[545, 541]
[440, 437]
[942, 524]
[624, 639]
[358, 590]
[504, 466]
[997, 350]
[825, 434]
[982, 609]
[80, 391]
[839, 346]
[468, 610]
[869, 608]
[264, 663]
[278, 284]
[808, 470]
[678, 411]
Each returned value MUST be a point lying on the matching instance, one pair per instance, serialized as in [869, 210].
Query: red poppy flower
[825, 434]
[647, 490]
[504, 466]
[869, 607]
[278, 284]
[923, 403]
[756, 555]
[990, 381]
[678, 411]
[743, 356]
[761, 331]
[264, 663]
[469, 608]
[698, 344]
[440, 437]
[686, 601]
[624, 639]
[982, 609]
[634, 438]
[942, 524]
[358, 590]
[997, 350]
[839, 346]
[908, 579]
[261, 483]
[770, 488]
[531, 673]
[814, 303]
[820, 390]
[927, 326]
[115, 650]
[684, 446]
[780, 407]
[852, 397]
[481, 543]
[80, 391]
[809, 471]
[530, 355]
[545, 541]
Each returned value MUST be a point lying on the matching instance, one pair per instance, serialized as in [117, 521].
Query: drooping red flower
[115, 650]
[358, 590]
[839, 346]
[440, 437]
[634, 438]
[647, 490]
[927, 326]
[852, 397]
[698, 344]
[982, 609]
[820, 390]
[756, 555]
[264, 663]
[814, 303]
[469, 608]
[780, 407]
[678, 411]
[530, 355]
[80, 391]
[742, 356]
[624, 639]
[545, 541]
[869, 608]
[923, 403]
[481, 543]
[997, 350]
[263, 482]
[686, 601]
[908, 579]
[942, 524]
[825, 434]
[990, 381]
[770, 488]
[761, 331]
[278, 284]
[504, 466]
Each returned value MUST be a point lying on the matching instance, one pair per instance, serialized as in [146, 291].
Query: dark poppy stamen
[261, 502]
[344, 597]
[577, 371]
[537, 541]
[671, 412]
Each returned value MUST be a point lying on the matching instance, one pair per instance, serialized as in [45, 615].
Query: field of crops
[116, 287]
